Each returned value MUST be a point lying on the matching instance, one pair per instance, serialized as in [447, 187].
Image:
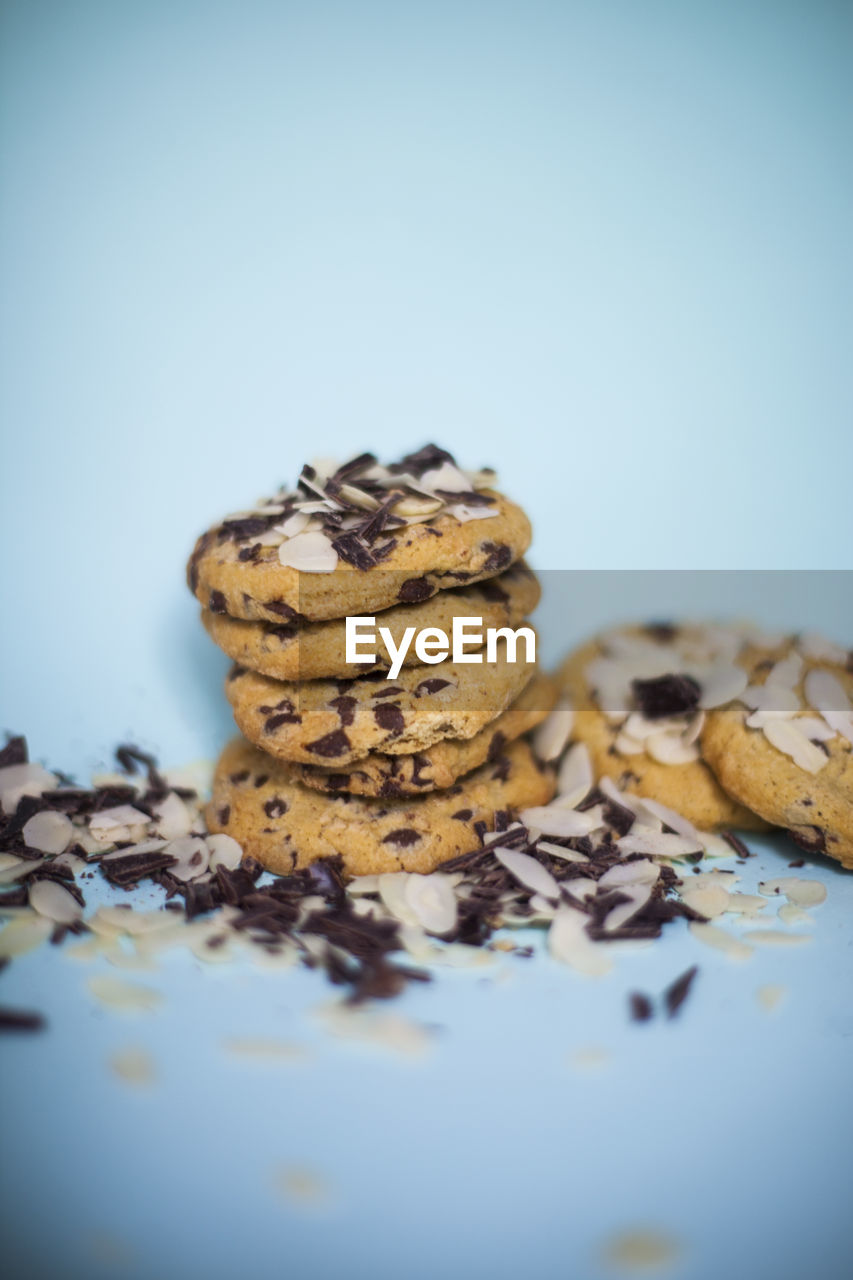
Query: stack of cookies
[407, 759]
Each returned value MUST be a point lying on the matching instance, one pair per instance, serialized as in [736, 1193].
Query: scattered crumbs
[678, 991]
[590, 1057]
[134, 1065]
[125, 996]
[300, 1185]
[260, 1049]
[798, 862]
[640, 1007]
[771, 996]
[639, 1249]
[387, 1030]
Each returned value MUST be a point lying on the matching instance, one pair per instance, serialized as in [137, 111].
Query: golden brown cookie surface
[440, 765]
[357, 539]
[313, 651]
[646, 737]
[785, 750]
[260, 802]
[336, 722]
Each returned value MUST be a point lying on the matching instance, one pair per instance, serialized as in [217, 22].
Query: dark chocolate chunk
[669, 695]
[345, 707]
[331, 744]
[810, 838]
[463, 815]
[498, 556]
[640, 1006]
[414, 590]
[389, 717]
[216, 602]
[403, 837]
[432, 685]
[276, 807]
[281, 717]
[425, 459]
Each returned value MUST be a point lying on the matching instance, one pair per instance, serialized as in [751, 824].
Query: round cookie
[689, 787]
[438, 766]
[285, 826]
[359, 539]
[336, 722]
[810, 793]
[312, 651]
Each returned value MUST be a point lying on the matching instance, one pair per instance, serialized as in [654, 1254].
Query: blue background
[604, 247]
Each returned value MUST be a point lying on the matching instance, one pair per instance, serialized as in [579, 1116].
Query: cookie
[438, 766]
[784, 747]
[285, 826]
[336, 722]
[357, 539]
[640, 696]
[312, 651]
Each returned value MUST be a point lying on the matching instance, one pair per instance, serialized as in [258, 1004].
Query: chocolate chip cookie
[337, 722]
[284, 825]
[311, 651]
[357, 538]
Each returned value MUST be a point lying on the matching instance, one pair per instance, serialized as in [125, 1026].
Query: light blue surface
[604, 247]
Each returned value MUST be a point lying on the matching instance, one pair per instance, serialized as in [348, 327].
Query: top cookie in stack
[417, 759]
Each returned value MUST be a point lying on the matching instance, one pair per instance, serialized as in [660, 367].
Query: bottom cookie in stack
[285, 825]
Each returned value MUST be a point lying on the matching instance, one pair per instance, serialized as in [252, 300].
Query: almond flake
[826, 694]
[775, 938]
[310, 552]
[465, 514]
[50, 899]
[569, 942]
[575, 776]
[432, 900]
[553, 820]
[710, 902]
[713, 936]
[126, 996]
[48, 831]
[18, 780]
[640, 871]
[770, 996]
[191, 857]
[225, 852]
[134, 1066]
[723, 683]
[670, 748]
[680, 825]
[24, 933]
[785, 737]
[529, 872]
[172, 818]
[550, 737]
[657, 844]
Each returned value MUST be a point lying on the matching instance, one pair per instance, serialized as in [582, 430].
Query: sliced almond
[310, 552]
[50, 899]
[529, 872]
[433, 902]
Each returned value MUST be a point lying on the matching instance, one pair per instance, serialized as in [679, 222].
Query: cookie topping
[339, 513]
[669, 695]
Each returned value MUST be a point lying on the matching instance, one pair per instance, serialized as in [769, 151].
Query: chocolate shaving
[640, 1006]
[21, 1020]
[678, 991]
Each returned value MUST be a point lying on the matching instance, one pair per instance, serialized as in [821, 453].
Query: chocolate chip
[241, 776]
[496, 746]
[389, 717]
[498, 556]
[403, 837]
[463, 815]
[335, 743]
[276, 807]
[811, 838]
[669, 695]
[345, 707]
[224, 814]
[414, 590]
[282, 717]
[432, 685]
[217, 603]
